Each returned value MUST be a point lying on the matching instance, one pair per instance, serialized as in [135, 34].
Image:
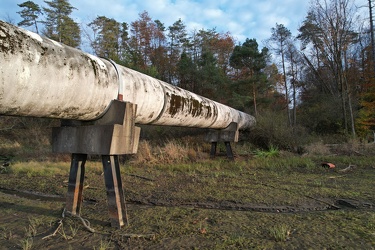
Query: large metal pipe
[43, 78]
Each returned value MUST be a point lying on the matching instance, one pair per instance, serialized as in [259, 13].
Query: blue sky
[242, 18]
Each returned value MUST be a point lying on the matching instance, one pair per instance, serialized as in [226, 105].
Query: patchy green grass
[287, 202]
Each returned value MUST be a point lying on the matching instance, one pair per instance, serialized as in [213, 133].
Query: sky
[242, 18]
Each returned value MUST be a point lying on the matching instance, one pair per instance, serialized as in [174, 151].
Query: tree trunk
[255, 100]
[286, 89]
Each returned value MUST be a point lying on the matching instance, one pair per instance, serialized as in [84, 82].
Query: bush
[272, 129]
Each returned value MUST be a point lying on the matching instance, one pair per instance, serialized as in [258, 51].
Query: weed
[280, 232]
[64, 234]
[272, 152]
[234, 241]
[27, 243]
[73, 230]
[104, 245]
[6, 235]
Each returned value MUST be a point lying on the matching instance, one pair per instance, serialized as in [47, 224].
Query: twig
[359, 153]
[85, 222]
[146, 236]
[334, 177]
[141, 177]
[60, 223]
[55, 232]
[347, 169]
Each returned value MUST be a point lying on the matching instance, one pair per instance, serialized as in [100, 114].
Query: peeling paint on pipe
[42, 78]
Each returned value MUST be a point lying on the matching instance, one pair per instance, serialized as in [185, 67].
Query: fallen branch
[55, 232]
[141, 177]
[347, 169]
[85, 222]
[60, 223]
[133, 236]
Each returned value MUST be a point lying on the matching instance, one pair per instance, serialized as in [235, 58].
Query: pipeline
[40, 77]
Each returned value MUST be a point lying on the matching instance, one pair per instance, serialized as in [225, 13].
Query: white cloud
[242, 18]
[213, 13]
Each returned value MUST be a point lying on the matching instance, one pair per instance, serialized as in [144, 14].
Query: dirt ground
[209, 205]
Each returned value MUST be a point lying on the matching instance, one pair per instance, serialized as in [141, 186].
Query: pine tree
[249, 61]
[106, 42]
[30, 14]
[59, 26]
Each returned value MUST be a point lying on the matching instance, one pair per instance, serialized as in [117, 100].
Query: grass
[104, 245]
[190, 202]
[271, 152]
[280, 232]
[26, 244]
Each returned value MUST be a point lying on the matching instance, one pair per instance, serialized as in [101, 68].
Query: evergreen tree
[177, 44]
[59, 26]
[30, 14]
[187, 72]
[249, 62]
[107, 35]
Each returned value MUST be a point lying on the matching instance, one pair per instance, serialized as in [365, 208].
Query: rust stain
[189, 106]
[176, 104]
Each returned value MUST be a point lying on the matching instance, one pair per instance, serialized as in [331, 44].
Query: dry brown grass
[172, 151]
[144, 154]
[317, 148]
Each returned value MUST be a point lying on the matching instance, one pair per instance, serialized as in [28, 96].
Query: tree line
[322, 78]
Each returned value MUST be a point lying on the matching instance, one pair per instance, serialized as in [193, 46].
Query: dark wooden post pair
[113, 183]
[112, 135]
[227, 135]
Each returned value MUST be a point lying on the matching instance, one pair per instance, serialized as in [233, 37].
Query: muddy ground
[208, 205]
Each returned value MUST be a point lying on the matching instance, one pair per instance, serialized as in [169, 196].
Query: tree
[30, 14]
[106, 41]
[329, 29]
[159, 58]
[295, 64]
[370, 7]
[279, 41]
[210, 77]
[187, 72]
[59, 26]
[250, 61]
[178, 42]
[147, 43]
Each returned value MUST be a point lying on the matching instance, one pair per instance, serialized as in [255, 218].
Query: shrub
[272, 129]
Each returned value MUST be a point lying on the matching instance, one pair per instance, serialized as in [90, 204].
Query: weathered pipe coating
[43, 78]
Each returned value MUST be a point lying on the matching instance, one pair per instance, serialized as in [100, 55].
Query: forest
[319, 81]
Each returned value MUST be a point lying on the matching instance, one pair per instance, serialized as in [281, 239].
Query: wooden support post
[229, 150]
[75, 185]
[213, 149]
[227, 135]
[112, 135]
[115, 193]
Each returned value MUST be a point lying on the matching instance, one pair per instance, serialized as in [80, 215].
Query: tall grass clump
[280, 232]
[145, 154]
[271, 152]
[171, 151]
